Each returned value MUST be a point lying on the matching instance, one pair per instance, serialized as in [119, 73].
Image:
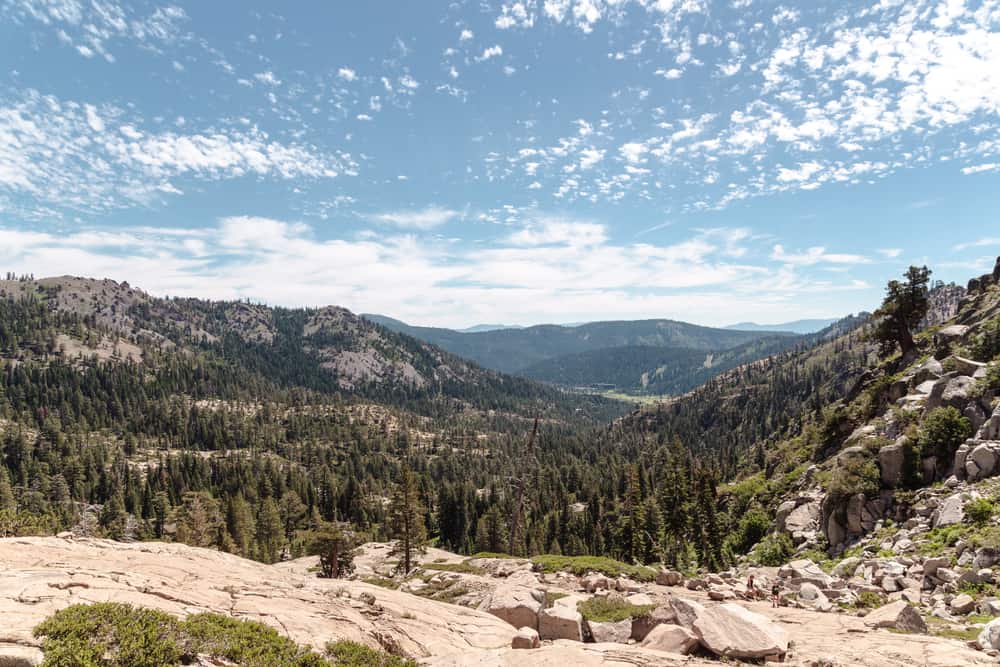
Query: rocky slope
[327, 350]
[698, 617]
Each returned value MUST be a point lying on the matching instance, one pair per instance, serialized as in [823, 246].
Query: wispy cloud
[978, 243]
[422, 219]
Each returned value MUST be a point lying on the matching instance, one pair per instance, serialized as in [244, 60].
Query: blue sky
[517, 162]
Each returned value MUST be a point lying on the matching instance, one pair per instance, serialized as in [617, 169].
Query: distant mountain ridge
[514, 350]
[796, 326]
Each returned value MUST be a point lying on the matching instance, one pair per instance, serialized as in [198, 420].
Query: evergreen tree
[904, 306]
[270, 532]
[406, 516]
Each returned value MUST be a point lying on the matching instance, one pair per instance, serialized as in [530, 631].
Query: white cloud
[815, 255]
[347, 74]
[466, 35]
[549, 271]
[423, 219]
[978, 243]
[490, 52]
[890, 253]
[556, 231]
[267, 78]
[69, 156]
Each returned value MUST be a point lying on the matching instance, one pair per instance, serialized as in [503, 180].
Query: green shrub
[986, 344]
[774, 550]
[753, 526]
[854, 476]
[248, 643]
[611, 609]
[110, 635]
[870, 600]
[580, 565]
[119, 635]
[980, 511]
[353, 654]
[943, 432]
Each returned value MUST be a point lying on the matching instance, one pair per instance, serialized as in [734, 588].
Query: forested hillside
[250, 429]
[513, 350]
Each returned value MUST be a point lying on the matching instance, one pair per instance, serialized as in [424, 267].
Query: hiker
[775, 595]
[751, 590]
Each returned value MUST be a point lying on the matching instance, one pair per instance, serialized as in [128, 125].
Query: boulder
[525, 638]
[950, 512]
[989, 638]
[639, 599]
[732, 631]
[964, 366]
[805, 570]
[899, 615]
[517, 605]
[986, 557]
[669, 578]
[686, 611]
[809, 592]
[846, 567]
[984, 462]
[931, 565]
[962, 604]
[890, 461]
[597, 582]
[950, 334]
[29, 656]
[618, 632]
[990, 430]
[560, 623]
[957, 392]
[803, 521]
[671, 638]
[643, 625]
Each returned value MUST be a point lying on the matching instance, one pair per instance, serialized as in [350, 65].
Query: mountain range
[652, 357]
[796, 326]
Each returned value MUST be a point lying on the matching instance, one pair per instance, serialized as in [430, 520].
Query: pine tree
[406, 520]
[270, 531]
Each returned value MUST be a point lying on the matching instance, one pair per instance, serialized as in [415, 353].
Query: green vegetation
[462, 567]
[870, 600]
[774, 550]
[980, 510]
[611, 609]
[942, 432]
[904, 306]
[120, 635]
[580, 565]
[985, 346]
[351, 654]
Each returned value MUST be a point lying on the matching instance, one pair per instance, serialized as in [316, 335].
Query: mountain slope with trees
[513, 350]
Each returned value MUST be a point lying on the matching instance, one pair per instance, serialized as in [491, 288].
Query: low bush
[611, 609]
[774, 550]
[580, 565]
[980, 510]
[110, 634]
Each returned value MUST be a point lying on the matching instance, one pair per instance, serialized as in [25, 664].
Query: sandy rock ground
[41, 575]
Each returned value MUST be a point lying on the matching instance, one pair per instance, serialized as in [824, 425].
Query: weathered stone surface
[809, 592]
[525, 638]
[39, 576]
[669, 578]
[890, 462]
[803, 521]
[687, 611]
[962, 604]
[898, 615]
[805, 570]
[732, 631]
[672, 639]
[951, 511]
[989, 638]
[643, 625]
[515, 604]
[23, 656]
[618, 632]
[560, 623]
[932, 564]
[957, 392]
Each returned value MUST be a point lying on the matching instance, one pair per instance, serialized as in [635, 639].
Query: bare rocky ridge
[41, 575]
